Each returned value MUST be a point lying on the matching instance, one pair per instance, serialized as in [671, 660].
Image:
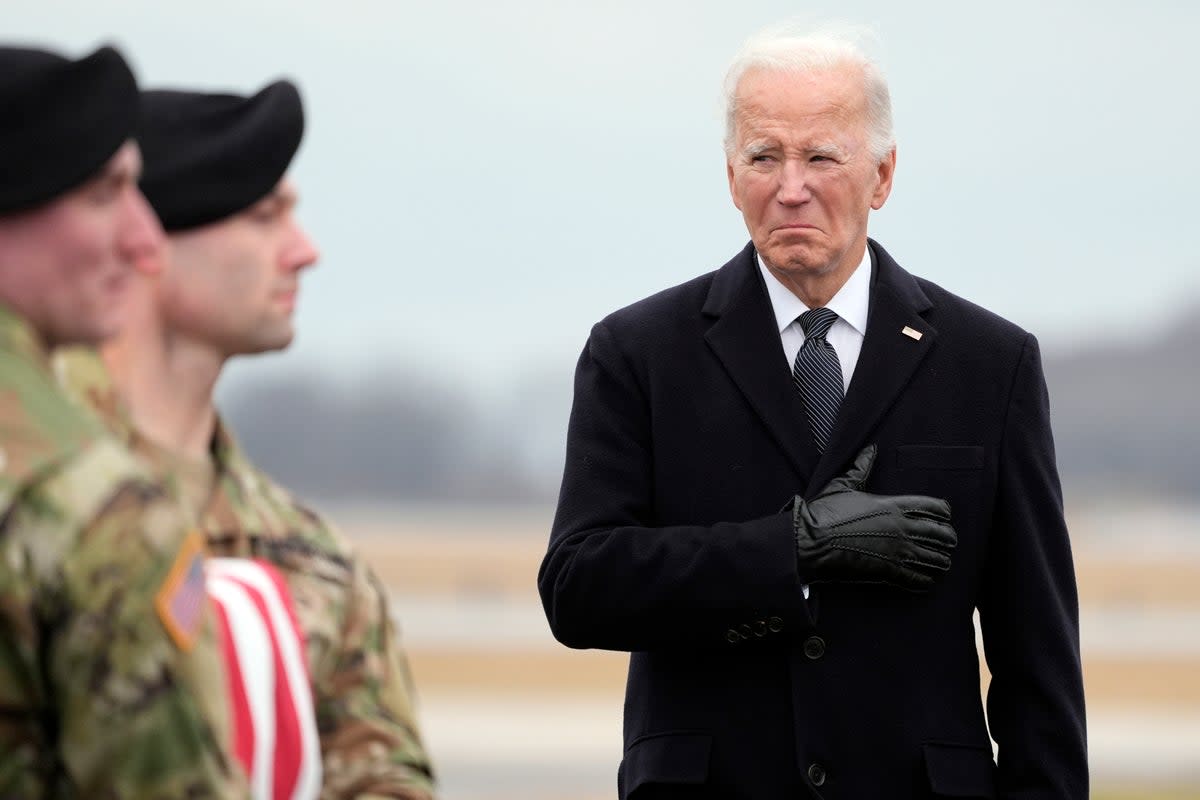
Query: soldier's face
[233, 285]
[73, 256]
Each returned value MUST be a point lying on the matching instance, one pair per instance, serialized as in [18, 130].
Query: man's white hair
[786, 48]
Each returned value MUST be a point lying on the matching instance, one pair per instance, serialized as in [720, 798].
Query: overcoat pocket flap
[670, 758]
[937, 456]
[960, 770]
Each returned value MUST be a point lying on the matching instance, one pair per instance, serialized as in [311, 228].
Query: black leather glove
[847, 535]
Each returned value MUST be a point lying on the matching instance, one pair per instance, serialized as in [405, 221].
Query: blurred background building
[487, 180]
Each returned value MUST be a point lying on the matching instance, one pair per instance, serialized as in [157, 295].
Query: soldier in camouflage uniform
[109, 670]
[229, 288]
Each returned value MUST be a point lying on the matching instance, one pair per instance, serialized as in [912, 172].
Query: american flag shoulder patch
[181, 599]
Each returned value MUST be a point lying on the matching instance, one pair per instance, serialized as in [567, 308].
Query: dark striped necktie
[818, 374]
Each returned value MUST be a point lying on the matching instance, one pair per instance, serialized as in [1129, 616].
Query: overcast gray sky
[487, 179]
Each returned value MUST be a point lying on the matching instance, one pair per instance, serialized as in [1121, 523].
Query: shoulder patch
[181, 599]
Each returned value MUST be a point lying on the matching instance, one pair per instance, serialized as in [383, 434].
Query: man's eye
[761, 158]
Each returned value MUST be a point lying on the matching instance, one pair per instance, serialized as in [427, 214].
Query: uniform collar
[17, 336]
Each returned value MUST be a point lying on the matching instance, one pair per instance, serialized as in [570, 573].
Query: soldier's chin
[94, 330]
[269, 342]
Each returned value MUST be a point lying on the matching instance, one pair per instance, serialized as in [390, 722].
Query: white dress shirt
[850, 304]
[845, 335]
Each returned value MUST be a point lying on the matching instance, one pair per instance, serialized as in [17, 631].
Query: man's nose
[140, 235]
[793, 183]
[301, 251]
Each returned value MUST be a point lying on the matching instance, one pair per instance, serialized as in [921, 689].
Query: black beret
[208, 156]
[60, 121]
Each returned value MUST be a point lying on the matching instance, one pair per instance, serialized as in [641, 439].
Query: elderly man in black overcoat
[791, 483]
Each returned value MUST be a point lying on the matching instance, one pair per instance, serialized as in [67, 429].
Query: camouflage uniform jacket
[370, 742]
[110, 675]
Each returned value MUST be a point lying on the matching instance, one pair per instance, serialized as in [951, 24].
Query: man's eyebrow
[112, 176]
[830, 150]
[278, 199]
[285, 193]
[757, 148]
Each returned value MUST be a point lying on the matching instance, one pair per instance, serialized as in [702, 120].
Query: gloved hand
[847, 535]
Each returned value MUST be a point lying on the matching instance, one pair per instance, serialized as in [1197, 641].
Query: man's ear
[884, 173]
[732, 185]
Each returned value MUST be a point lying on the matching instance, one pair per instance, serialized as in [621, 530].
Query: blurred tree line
[1125, 411]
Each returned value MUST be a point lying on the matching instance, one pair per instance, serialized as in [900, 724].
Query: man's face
[74, 255]
[233, 284]
[802, 173]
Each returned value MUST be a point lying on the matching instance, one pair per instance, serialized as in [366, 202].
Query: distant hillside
[1126, 418]
[1127, 415]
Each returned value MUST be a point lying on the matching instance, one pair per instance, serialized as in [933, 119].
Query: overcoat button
[816, 774]
[775, 624]
[814, 647]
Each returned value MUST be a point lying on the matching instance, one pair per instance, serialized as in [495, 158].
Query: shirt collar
[850, 303]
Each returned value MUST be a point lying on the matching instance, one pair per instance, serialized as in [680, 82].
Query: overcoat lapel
[888, 359]
[745, 340]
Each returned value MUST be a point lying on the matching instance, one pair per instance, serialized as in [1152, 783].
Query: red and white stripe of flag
[274, 723]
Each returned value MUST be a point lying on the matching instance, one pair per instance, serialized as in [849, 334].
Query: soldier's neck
[167, 385]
